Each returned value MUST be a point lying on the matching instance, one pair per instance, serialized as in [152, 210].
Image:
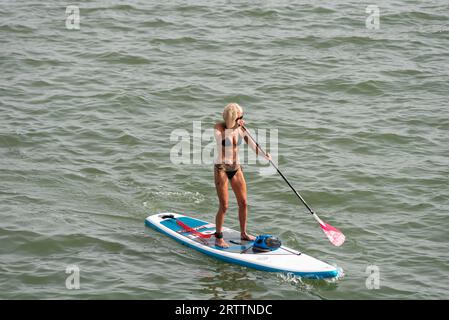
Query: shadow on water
[246, 284]
[229, 283]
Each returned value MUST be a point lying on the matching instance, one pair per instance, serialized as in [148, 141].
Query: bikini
[228, 143]
[229, 169]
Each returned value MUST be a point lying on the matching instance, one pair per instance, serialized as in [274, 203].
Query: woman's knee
[243, 203]
[223, 206]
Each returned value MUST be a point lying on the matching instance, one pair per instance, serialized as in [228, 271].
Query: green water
[86, 118]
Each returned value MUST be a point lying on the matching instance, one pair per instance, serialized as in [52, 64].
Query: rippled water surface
[86, 119]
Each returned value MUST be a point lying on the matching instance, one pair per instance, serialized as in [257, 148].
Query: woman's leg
[238, 184]
[221, 184]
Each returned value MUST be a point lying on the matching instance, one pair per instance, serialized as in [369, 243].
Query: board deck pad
[239, 251]
[232, 237]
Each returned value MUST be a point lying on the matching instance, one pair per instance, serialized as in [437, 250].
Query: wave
[174, 41]
[156, 23]
[16, 28]
[196, 197]
[116, 8]
[123, 58]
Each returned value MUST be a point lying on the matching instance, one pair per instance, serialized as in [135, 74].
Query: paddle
[335, 236]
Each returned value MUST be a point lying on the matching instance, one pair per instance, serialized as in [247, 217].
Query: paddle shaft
[280, 173]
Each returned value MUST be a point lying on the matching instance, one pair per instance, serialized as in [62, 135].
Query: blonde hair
[231, 113]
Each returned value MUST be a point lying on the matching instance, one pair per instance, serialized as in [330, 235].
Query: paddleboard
[194, 234]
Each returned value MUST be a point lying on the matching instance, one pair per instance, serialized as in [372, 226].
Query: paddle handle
[280, 173]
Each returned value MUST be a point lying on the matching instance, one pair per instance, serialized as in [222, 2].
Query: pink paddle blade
[335, 236]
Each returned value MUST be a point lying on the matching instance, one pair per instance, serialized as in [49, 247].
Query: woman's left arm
[252, 143]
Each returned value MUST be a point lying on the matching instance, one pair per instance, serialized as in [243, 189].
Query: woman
[228, 135]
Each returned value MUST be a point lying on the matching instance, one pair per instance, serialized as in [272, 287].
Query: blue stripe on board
[309, 275]
[194, 223]
[191, 222]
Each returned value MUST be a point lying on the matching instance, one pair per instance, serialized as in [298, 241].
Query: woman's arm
[250, 142]
[253, 144]
[217, 133]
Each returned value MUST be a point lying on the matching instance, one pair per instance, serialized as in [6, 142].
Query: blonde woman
[229, 136]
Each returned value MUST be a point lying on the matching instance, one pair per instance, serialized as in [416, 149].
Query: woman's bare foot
[247, 237]
[221, 243]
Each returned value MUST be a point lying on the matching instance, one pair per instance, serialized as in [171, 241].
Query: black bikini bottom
[229, 169]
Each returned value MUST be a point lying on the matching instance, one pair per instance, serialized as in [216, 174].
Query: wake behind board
[189, 231]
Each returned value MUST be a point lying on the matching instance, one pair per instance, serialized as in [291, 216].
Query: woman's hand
[268, 156]
[241, 122]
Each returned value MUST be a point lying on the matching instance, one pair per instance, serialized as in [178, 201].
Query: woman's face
[239, 119]
[239, 116]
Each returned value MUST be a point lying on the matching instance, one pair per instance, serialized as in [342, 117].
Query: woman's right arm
[217, 132]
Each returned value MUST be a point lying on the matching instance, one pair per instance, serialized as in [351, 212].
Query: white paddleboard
[240, 252]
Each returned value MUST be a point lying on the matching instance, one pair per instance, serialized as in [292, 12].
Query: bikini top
[228, 142]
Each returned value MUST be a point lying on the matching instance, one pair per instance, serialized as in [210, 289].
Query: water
[86, 118]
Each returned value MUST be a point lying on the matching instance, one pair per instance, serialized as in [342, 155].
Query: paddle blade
[335, 236]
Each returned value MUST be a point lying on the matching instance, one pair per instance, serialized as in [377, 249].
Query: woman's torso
[228, 145]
